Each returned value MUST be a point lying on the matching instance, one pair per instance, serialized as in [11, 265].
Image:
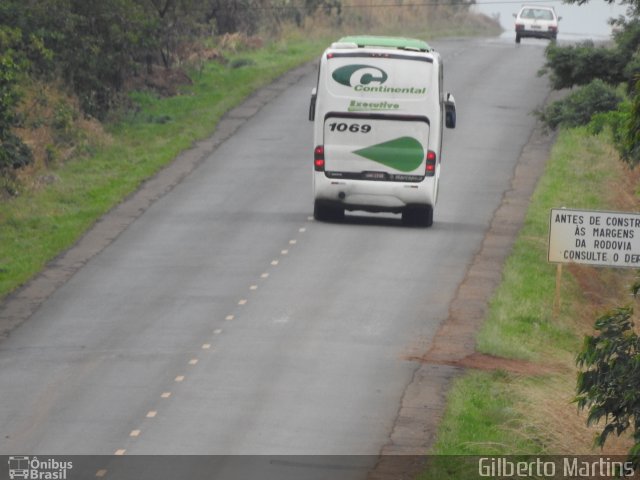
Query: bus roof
[388, 42]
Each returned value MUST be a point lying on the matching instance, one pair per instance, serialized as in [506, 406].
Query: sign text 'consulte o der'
[609, 239]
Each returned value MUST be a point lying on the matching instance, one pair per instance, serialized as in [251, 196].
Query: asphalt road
[225, 320]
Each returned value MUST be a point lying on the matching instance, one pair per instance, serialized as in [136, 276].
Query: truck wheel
[418, 215]
[327, 213]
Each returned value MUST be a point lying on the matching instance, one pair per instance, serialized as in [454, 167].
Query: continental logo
[359, 75]
[367, 78]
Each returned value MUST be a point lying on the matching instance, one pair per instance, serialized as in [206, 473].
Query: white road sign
[594, 238]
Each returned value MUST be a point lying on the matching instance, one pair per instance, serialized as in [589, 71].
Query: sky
[578, 22]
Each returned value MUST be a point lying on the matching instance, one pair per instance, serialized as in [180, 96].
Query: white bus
[378, 111]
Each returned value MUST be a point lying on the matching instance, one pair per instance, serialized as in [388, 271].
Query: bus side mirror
[312, 106]
[450, 111]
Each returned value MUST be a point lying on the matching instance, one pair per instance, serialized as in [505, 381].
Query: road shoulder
[453, 347]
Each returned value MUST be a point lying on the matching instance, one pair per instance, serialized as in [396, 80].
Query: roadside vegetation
[581, 395]
[506, 413]
[97, 96]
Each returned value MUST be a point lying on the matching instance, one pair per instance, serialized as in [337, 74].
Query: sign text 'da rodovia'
[594, 238]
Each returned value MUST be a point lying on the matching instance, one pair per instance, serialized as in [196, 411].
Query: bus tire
[421, 216]
[327, 213]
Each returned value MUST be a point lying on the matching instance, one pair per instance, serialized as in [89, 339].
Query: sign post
[606, 239]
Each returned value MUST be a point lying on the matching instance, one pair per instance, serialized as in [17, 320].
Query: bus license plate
[374, 175]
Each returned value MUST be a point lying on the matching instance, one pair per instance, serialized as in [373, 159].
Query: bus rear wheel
[418, 215]
[327, 213]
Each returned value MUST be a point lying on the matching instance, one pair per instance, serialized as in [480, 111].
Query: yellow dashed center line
[101, 473]
[205, 346]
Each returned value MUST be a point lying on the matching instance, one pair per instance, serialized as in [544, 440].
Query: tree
[98, 44]
[175, 23]
[609, 388]
[230, 16]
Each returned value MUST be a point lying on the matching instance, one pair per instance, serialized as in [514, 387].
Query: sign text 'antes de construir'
[609, 239]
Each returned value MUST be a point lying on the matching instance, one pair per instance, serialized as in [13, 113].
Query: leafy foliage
[585, 65]
[582, 63]
[96, 45]
[13, 152]
[627, 42]
[579, 107]
[230, 16]
[609, 388]
[624, 124]
[630, 144]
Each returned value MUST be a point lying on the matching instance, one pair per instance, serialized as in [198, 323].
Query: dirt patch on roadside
[481, 361]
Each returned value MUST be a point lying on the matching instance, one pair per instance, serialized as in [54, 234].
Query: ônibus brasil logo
[367, 78]
[32, 468]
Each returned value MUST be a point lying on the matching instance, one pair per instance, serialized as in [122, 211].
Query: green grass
[501, 413]
[520, 323]
[36, 227]
[486, 421]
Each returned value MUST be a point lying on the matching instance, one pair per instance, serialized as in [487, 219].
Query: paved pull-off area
[209, 314]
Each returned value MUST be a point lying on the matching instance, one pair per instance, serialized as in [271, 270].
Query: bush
[582, 63]
[13, 152]
[610, 387]
[579, 107]
[624, 124]
[631, 135]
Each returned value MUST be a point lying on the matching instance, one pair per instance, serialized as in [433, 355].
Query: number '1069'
[354, 127]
